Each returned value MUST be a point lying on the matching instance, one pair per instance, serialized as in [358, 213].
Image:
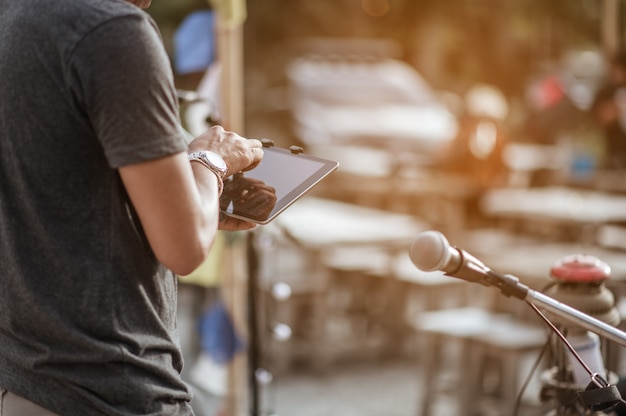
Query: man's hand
[248, 197]
[240, 154]
[234, 224]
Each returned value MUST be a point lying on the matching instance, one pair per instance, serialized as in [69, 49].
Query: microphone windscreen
[430, 251]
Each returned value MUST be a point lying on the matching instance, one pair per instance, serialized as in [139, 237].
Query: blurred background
[499, 123]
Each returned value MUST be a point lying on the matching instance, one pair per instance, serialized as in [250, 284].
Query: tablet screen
[280, 179]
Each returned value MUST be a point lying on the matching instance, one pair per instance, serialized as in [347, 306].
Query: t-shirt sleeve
[121, 76]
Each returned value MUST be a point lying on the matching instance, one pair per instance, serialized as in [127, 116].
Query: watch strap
[196, 157]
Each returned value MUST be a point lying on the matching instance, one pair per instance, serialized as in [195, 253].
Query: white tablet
[282, 177]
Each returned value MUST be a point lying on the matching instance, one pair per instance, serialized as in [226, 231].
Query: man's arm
[177, 201]
[177, 207]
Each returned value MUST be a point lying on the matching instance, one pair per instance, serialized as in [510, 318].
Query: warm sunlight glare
[375, 8]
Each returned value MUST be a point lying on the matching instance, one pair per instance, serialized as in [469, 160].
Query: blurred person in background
[194, 48]
[188, 30]
[609, 110]
[102, 202]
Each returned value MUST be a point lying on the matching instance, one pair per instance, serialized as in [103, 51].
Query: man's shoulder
[97, 8]
[79, 17]
[65, 18]
[90, 13]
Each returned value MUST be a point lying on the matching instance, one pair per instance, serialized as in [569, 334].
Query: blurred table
[556, 203]
[580, 210]
[318, 223]
[609, 180]
[529, 163]
[530, 258]
[344, 98]
[342, 244]
[404, 182]
[532, 263]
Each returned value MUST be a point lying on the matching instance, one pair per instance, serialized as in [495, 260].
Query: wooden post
[231, 15]
[230, 56]
[234, 294]
[610, 26]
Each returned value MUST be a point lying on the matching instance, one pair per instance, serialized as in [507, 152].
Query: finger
[234, 224]
[257, 156]
[255, 143]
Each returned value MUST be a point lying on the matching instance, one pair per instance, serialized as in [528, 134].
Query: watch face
[216, 160]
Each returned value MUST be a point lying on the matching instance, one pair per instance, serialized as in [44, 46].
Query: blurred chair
[474, 335]
[291, 294]
[487, 336]
[311, 247]
[376, 287]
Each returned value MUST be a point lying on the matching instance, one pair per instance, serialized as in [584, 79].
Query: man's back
[85, 308]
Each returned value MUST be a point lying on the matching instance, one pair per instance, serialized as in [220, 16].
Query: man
[609, 111]
[101, 202]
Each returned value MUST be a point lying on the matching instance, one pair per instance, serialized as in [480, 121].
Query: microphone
[431, 251]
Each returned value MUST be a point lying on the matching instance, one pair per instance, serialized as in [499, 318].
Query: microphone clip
[507, 284]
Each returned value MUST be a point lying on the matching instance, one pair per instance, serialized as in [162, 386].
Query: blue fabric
[218, 337]
[194, 43]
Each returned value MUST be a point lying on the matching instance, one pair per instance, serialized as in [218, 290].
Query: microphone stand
[599, 394]
[254, 351]
[510, 285]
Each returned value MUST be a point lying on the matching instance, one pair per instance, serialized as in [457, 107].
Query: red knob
[580, 268]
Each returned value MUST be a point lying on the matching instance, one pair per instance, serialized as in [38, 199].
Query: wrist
[214, 163]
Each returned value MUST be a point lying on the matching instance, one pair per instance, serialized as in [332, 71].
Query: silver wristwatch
[213, 162]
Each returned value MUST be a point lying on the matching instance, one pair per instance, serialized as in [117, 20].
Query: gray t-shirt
[87, 314]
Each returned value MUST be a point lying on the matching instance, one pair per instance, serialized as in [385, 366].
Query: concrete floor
[383, 388]
[358, 389]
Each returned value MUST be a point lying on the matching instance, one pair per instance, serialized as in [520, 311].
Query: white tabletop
[555, 203]
[316, 222]
[532, 263]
